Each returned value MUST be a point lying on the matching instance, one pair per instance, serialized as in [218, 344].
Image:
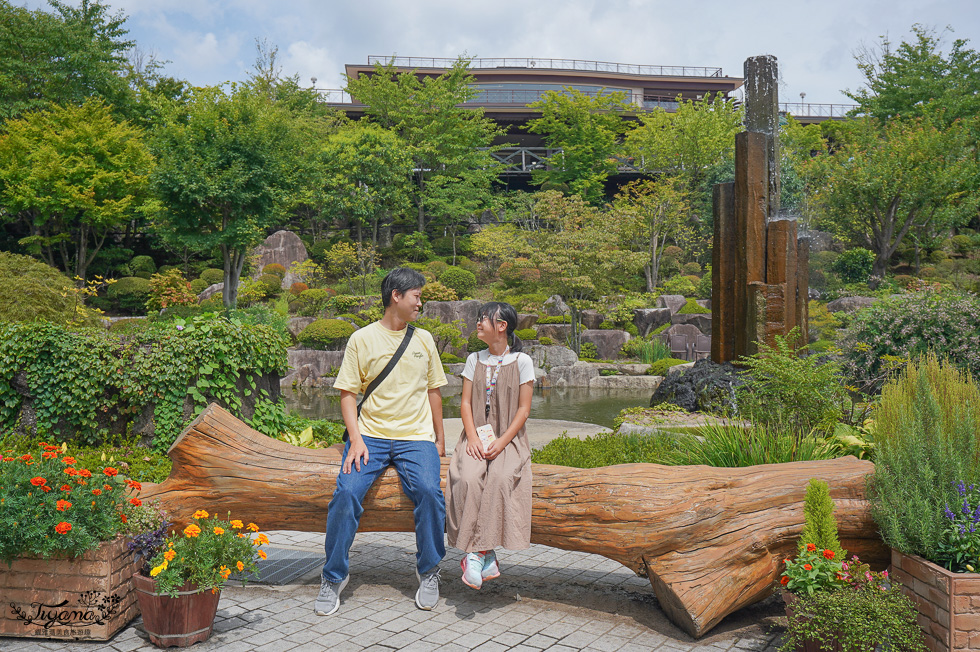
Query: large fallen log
[711, 540]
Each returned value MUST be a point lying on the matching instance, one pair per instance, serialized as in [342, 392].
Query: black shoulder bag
[409, 331]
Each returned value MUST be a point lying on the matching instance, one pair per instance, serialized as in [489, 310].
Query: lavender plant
[959, 547]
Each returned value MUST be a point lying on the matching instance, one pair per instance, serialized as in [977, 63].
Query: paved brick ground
[546, 599]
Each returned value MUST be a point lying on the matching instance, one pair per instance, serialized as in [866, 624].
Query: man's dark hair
[402, 279]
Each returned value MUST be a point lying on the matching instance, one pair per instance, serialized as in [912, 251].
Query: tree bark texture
[711, 540]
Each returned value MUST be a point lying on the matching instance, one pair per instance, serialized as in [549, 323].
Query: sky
[213, 41]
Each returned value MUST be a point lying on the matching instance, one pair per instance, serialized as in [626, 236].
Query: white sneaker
[472, 565]
[491, 570]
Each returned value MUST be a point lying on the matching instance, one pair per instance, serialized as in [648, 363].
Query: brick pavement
[546, 599]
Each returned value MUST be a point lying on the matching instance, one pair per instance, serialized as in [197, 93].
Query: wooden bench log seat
[711, 540]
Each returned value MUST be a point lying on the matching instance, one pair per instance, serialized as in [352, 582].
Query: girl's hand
[474, 448]
[494, 449]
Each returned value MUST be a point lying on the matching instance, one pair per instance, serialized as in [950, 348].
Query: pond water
[580, 404]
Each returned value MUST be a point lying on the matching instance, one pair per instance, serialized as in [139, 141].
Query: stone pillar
[781, 266]
[762, 114]
[751, 200]
[723, 274]
[803, 288]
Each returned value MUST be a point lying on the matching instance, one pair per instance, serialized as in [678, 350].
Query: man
[401, 425]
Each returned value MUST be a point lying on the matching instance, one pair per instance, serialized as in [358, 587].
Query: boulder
[626, 382]
[701, 322]
[704, 303]
[284, 248]
[704, 387]
[580, 374]
[526, 320]
[673, 301]
[555, 306]
[849, 304]
[557, 332]
[680, 329]
[321, 361]
[607, 342]
[591, 318]
[818, 240]
[547, 357]
[210, 291]
[627, 369]
[648, 320]
[295, 325]
[447, 311]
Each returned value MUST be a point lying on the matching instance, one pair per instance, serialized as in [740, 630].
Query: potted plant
[180, 587]
[927, 432]
[835, 605]
[60, 539]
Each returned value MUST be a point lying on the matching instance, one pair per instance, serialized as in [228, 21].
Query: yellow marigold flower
[253, 527]
[219, 531]
[240, 566]
[262, 554]
[201, 514]
[259, 540]
[169, 555]
[159, 569]
[191, 531]
[237, 524]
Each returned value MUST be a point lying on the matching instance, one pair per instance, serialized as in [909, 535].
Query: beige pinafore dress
[488, 504]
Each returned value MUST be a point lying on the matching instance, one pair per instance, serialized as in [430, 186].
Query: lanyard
[492, 378]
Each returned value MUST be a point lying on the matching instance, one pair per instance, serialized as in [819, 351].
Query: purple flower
[180, 328]
[949, 513]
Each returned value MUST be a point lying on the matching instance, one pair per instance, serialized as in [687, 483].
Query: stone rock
[704, 387]
[548, 357]
[704, 303]
[849, 304]
[284, 248]
[679, 368]
[580, 374]
[525, 320]
[627, 369]
[321, 361]
[673, 301]
[701, 322]
[555, 306]
[557, 332]
[818, 240]
[626, 382]
[307, 372]
[648, 320]
[447, 311]
[607, 342]
[591, 318]
[681, 329]
[210, 291]
[297, 324]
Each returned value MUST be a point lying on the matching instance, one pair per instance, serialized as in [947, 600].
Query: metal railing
[811, 110]
[524, 160]
[512, 97]
[551, 64]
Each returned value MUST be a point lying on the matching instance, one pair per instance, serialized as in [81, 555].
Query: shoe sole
[343, 584]
[417, 602]
[491, 577]
[462, 564]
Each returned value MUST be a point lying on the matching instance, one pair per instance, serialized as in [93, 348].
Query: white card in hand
[485, 433]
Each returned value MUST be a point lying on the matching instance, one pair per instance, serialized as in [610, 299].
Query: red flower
[107, 487]
[62, 528]
[784, 581]
[26, 458]
[63, 505]
[134, 484]
[110, 471]
[829, 554]
[46, 488]
[65, 487]
[124, 518]
[96, 492]
[38, 481]
[70, 471]
[85, 473]
[49, 455]
[135, 501]
[807, 567]
[68, 460]
[811, 547]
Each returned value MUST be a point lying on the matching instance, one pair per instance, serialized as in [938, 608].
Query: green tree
[879, 183]
[648, 214]
[71, 175]
[443, 138]
[227, 166]
[797, 145]
[587, 130]
[63, 57]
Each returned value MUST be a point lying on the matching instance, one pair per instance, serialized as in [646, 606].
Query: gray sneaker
[328, 600]
[428, 594]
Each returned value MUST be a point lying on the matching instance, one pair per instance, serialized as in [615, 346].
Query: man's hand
[441, 447]
[356, 455]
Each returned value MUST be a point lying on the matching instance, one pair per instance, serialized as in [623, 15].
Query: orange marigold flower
[259, 540]
[811, 547]
[219, 531]
[201, 514]
[63, 505]
[8, 459]
[784, 581]
[70, 471]
[65, 487]
[26, 458]
[253, 527]
[829, 554]
[807, 567]
[240, 566]
[96, 492]
[169, 555]
[225, 572]
[262, 554]
[191, 531]
[62, 528]
[241, 535]
[46, 488]
[107, 487]
[135, 502]
[68, 460]
[237, 524]
[38, 481]
[125, 519]
[110, 471]
[134, 484]
[85, 473]
[49, 455]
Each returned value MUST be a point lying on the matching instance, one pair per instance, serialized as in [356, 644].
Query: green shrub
[436, 267]
[545, 341]
[30, 289]
[212, 276]
[358, 321]
[298, 288]
[927, 434]
[692, 307]
[691, 269]
[414, 246]
[587, 351]
[674, 252]
[469, 265]
[605, 449]
[275, 269]
[474, 343]
[854, 265]
[326, 334]
[631, 329]
[703, 288]
[819, 526]
[344, 303]
[559, 319]
[142, 266]
[520, 274]
[669, 267]
[734, 445]
[660, 367]
[444, 246]
[122, 326]
[646, 351]
[436, 291]
[450, 358]
[781, 386]
[168, 290]
[315, 301]
[961, 244]
[526, 333]
[459, 280]
[271, 284]
[198, 285]
[679, 285]
[130, 294]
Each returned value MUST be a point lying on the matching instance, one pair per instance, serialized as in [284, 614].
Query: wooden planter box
[88, 598]
[948, 603]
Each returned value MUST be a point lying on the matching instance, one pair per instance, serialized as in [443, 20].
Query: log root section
[711, 540]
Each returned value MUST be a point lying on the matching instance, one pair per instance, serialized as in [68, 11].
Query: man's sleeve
[349, 377]
[436, 376]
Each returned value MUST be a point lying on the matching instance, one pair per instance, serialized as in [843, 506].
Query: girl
[488, 491]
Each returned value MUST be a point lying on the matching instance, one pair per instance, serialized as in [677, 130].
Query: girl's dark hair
[500, 311]
[402, 279]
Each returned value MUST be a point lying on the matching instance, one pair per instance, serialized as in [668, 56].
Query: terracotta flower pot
[176, 622]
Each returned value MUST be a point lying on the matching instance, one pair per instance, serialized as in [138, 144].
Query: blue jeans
[419, 469]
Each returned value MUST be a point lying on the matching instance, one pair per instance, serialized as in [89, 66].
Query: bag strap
[409, 331]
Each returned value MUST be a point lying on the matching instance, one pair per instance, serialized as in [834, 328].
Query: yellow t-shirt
[399, 407]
